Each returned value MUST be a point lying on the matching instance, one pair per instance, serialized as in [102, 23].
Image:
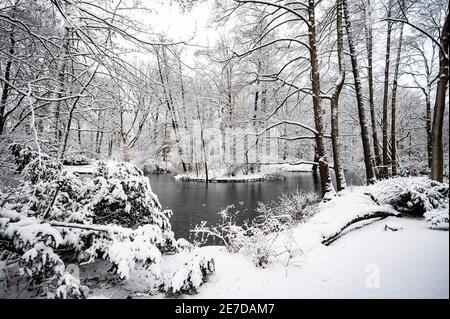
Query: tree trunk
[79, 133]
[202, 138]
[169, 103]
[60, 83]
[97, 135]
[70, 117]
[6, 87]
[437, 167]
[340, 178]
[428, 125]
[384, 171]
[370, 215]
[183, 95]
[285, 145]
[325, 178]
[394, 104]
[369, 46]
[359, 99]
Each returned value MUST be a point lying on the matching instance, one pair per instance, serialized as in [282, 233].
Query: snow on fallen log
[335, 216]
[376, 213]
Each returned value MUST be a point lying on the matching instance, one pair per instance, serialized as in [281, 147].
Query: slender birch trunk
[394, 104]
[384, 171]
[369, 47]
[339, 172]
[359, 99]
[169, 103]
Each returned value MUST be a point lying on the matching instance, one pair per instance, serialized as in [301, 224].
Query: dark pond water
[193, 202]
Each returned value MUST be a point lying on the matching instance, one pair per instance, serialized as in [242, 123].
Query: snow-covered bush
[122, 195]
[411, 195]
[35, 166]
[76, 159]
[227, 231]
[8, 178]
[297, 206]
[253, 239]
[414, 167]
[190, 276]
[69, 286]
[233, 169]
[258, 246]
[54, 218]
[437, 218]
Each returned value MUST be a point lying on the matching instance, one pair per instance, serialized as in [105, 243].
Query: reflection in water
[193, 202]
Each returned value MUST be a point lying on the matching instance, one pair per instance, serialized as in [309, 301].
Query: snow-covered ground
[395, 257]
[266, 172]
[240, 178]
[366, 262]
[304, 167]
[410, 263]
[81, 169]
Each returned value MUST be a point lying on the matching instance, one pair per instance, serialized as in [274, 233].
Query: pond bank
[193, 202]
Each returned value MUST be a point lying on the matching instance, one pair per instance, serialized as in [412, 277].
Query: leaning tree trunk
[394, 105]
[369, 46]
[340, 178]
[384, 171]
[325, 178]
[437, 168]
[359, 99]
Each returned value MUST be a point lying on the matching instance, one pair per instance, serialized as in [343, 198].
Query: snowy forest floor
[395, 257]
[411, 263]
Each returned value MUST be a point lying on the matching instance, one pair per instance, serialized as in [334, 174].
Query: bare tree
[359, 99]
[340, 178]
[385, 171]
[394, 101]
[437, 167]
[368, 26]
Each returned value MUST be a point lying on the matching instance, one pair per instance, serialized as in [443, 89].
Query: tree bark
[428, 125]
[325, 178]
[6, 87]
[70, 118]
[381, 214]
[202, 138]
[359, 99]
[339, 172]
[183, 94]
[437, 167]
[384, 170]
[60, 85]
[394, 104]
[169, 103]
[369, 47]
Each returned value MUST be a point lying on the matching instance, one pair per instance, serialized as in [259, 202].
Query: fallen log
[370, 215]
